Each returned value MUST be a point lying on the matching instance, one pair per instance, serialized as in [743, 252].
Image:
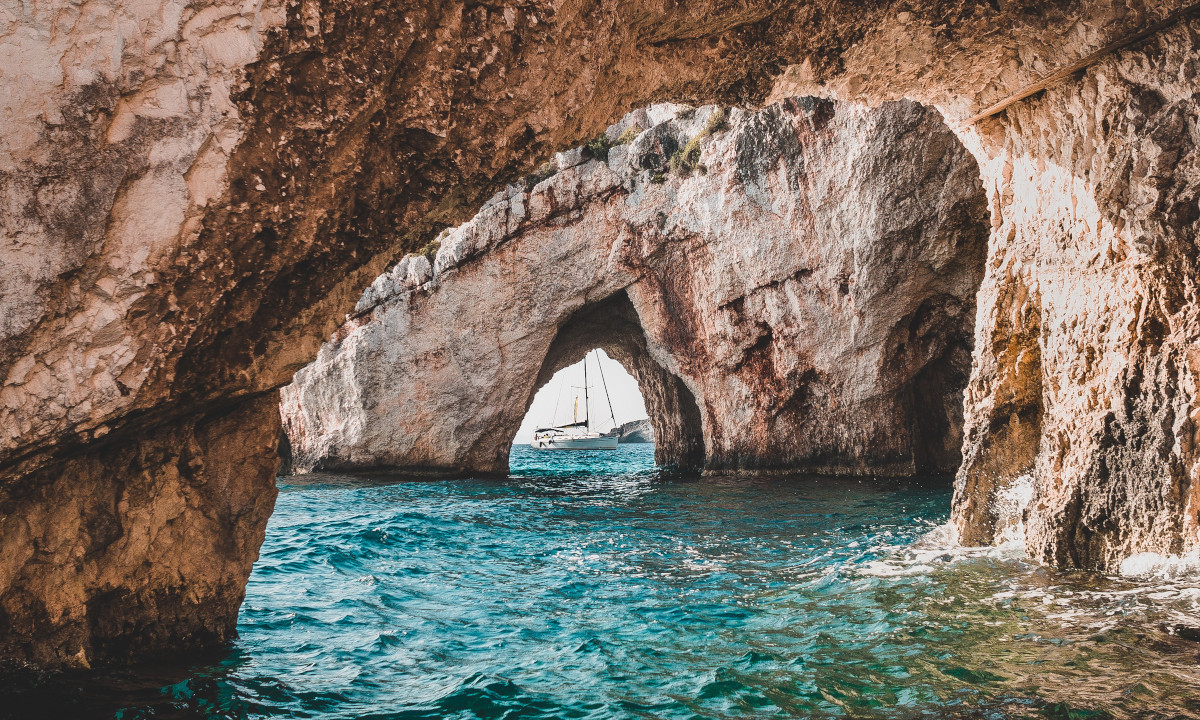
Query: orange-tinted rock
[193, 196]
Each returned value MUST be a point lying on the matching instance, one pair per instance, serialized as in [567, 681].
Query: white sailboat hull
[575, 443]
[577, 435]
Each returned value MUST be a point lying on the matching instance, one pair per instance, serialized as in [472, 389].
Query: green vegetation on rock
[687, 159]
[598, 147]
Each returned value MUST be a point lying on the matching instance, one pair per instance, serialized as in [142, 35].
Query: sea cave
[924, 271]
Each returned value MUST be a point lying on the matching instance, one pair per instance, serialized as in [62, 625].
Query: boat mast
[585, 395]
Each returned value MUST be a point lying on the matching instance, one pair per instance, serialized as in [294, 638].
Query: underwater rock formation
[805, 277]
[192, 197]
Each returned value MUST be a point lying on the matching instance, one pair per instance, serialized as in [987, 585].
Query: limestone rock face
[192, 196]
[89, 570]
[803, 315]
[1088, 345]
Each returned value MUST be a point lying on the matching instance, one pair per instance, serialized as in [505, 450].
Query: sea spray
[1167, 567]
[940, 546]
[1009, 506]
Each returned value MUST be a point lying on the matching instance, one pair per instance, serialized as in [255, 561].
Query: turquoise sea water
[592, 586]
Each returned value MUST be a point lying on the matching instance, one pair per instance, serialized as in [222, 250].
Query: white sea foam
[1154, 565]
[941, 546]
[1008, 507]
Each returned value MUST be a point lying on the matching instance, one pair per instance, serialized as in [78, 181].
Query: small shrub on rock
[717, 122]
[629, 135]
[687, 159]
[598, 147]
[431, 248]
[546, 170]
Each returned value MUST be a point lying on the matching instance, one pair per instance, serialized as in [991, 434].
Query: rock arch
[735, 291]
[613, 326]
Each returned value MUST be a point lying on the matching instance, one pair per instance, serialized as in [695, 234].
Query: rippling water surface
[591, 586]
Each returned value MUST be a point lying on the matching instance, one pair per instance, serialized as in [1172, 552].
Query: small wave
[1167, 567]
[940, 548]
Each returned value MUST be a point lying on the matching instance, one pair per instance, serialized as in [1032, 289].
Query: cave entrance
[613, 399]
[814, 336]
[599, 393]
[638, 384]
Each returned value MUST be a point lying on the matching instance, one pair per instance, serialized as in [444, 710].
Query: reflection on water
[592, 587]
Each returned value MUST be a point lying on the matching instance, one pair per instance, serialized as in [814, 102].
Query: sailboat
[578, 434]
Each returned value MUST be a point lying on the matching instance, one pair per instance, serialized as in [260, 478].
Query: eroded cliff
[794, 288]
[1087, 350]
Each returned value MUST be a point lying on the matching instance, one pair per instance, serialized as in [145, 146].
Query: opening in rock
[612, 327]
[612, 403]
[799, 299]
[174, 251]
[590, 418]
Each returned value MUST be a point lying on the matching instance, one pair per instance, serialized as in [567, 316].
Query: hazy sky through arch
[627, 401]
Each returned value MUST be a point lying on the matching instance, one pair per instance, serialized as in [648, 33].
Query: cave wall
[1085, 378]
[1084, 374]
[95, 546]
[193, 196]
[810, 285]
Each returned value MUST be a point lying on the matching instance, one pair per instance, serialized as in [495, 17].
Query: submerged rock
[783, 307]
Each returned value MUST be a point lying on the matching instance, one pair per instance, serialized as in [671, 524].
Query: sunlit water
[589, 586]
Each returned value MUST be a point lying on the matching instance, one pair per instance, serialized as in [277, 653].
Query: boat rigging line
[604, 384]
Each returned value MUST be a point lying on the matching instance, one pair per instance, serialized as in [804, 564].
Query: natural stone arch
[613, 326]
[348, 412]
[737, 284]
[386, 139]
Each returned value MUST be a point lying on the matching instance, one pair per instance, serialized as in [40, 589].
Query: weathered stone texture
[635, 432]
[118, 124]
[811, 285]
[96, 547]
[193, 195]
[1085, 375]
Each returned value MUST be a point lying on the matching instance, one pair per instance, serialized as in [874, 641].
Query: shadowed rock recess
[192, 198]
[794, 289]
